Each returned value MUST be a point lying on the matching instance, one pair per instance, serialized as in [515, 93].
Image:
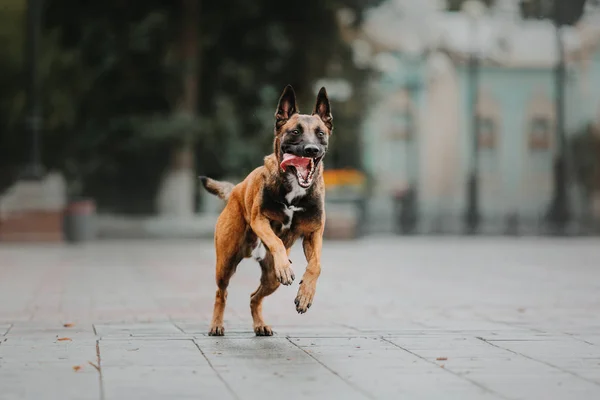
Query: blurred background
[451, 117]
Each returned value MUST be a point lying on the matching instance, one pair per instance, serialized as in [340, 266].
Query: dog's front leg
[262, 228]
[312, 244]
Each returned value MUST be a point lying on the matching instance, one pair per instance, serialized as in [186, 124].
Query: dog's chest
[288, 212]
[291, 211]
[288, 209]
[296, 192]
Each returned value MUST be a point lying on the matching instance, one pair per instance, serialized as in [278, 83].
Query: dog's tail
[220, 189]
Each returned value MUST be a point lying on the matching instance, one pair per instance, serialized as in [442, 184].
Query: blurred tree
[12, 30]
[118, 85]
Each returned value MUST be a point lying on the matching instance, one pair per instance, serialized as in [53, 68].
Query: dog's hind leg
[225, 270]
[229, 236]
[268, 284]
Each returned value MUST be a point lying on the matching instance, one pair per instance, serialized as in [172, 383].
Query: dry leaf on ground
[63, 339]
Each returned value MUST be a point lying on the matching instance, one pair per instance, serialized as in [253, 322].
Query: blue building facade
[517, 141]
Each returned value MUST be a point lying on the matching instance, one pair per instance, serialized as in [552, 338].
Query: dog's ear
[323, 109]
[287, 105]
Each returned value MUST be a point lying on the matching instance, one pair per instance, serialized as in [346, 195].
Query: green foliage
[12, 29]
[112, 85]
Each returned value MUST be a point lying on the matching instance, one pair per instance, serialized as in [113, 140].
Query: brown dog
[275, 205]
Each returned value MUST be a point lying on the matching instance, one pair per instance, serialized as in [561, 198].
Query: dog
[276, 204]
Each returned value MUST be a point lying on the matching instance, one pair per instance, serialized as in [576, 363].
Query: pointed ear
[323, 109]
[287, 105]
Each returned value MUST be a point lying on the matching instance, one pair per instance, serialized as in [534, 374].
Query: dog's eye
[295, 132]
[321, 134]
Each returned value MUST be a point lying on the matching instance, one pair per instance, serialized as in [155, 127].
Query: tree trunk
[177, 193]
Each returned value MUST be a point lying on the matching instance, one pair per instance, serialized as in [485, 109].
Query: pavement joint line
[10, 326]
[541, 362]
[148, 338]
[99, 369]
[253, 336]
[178, 327]
[479, 385]
[350, 327]
[512, 325]
[575, 337]
[229, 388]
[353, 386]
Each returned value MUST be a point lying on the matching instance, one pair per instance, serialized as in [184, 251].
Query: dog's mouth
[303, 167]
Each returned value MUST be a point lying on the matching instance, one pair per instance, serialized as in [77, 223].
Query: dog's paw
[263, 330]
[216, 330]
[305, 296]
[284, 274]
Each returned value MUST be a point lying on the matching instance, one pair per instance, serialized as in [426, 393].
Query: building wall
[516, 106]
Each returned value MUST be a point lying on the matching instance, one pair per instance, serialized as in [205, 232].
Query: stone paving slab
[577, 358]
[158, 369]
[505, 372]
[263, 368]
[43, 368]
[139, 330]
[400, 374]
[198, 329]
[424, 318]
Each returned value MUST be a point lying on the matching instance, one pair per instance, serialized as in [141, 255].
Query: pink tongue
[301, 164]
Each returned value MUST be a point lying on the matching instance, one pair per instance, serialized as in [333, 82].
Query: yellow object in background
[343, 177]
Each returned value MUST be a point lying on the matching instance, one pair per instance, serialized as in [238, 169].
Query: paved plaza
[393, 318]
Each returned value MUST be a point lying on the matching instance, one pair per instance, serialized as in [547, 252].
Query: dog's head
[301, 140]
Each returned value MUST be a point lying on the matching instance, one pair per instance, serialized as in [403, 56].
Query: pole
[408, 215]
[558, 215]
[33, 123]
[472, 215]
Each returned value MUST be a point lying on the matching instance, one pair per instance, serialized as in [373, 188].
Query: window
[539, 134]
[487, 133]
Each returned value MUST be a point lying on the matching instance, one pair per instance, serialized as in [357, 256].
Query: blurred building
[417, 132]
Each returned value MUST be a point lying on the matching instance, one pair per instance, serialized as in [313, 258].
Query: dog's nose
[311, 150]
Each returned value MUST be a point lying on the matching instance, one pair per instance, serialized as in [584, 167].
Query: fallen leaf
[443, 365]
[76, 368]
[68, 325]
[442, 358]
[62, 339]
